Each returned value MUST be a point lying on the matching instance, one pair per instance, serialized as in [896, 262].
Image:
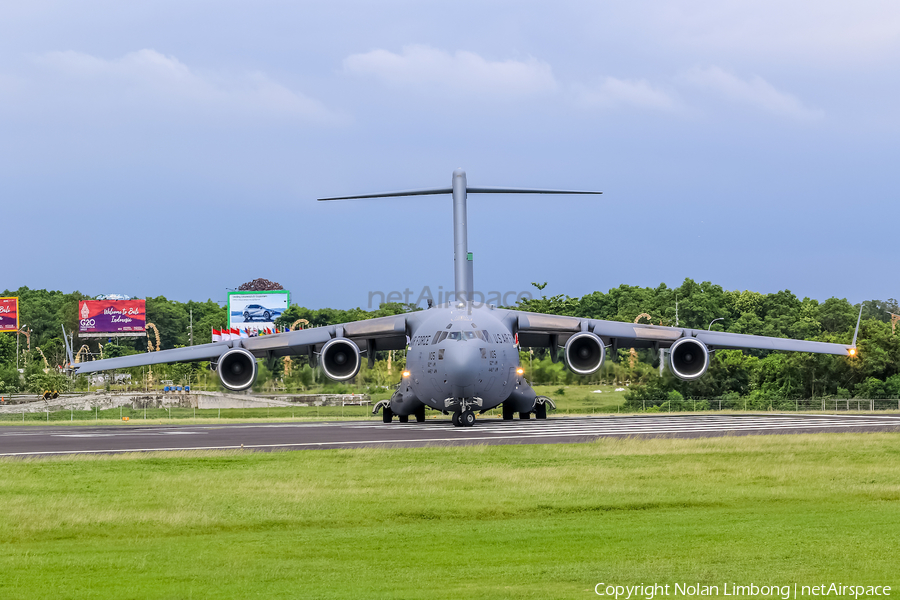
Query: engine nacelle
[237, 369]
[585, 353]
[340, 359]
[688, 358]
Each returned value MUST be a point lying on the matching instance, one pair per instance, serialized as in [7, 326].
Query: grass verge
[460, 522]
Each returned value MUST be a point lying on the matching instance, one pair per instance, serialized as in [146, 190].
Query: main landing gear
[539, 411]
[465, 418]
[387, 415]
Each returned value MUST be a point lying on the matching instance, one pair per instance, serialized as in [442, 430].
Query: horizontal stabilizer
[469, 190]
[501, 190]
[429, 192]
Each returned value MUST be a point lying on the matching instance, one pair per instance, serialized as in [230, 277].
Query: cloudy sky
[177, 148]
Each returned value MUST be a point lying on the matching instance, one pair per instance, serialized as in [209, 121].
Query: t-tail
[463, 277]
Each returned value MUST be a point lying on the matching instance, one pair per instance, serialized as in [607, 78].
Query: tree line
[760, 375]
[768, 379]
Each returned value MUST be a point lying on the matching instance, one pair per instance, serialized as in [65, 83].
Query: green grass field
[584, 399]
[525, 521]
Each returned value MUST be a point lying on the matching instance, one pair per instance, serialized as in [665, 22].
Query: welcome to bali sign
[112, 316]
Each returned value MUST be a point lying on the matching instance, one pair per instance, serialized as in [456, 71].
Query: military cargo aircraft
[463, 355]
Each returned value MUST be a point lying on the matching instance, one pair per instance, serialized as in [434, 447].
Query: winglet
[68, 347]
[855, 333]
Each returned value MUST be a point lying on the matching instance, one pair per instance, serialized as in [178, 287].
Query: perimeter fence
[30, 413]
[758, 404]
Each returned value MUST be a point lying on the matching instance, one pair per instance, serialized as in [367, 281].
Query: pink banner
[112, 316]
[9, 314]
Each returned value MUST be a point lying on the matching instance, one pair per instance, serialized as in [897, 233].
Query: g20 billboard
[256, 310]
[112, 316]
[9, 314]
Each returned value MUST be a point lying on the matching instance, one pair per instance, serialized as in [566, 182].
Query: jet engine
[237, 369]
[688, 358]
[585, 353]
[340, 359]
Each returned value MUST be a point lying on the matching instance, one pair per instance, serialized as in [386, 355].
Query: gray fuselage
[462, 357]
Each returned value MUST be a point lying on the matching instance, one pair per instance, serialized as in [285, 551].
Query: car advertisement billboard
[9, 314]
[122, 317]
[256, 310]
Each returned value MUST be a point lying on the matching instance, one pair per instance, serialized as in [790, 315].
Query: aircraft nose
[461, 364]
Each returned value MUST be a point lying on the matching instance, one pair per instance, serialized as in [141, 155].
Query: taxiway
[61, 440]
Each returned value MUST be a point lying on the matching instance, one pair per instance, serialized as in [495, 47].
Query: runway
[61, 440]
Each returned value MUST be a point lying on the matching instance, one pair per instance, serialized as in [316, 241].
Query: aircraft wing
[382, 333]
[540, 330]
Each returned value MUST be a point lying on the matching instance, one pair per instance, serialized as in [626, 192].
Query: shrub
[53, 381]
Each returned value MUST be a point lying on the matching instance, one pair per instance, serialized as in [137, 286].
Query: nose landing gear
[464, 418]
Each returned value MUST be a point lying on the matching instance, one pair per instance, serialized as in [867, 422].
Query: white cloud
[612, 93]
[149, 81]
[461, 73]
[820, 31]
[754, 91]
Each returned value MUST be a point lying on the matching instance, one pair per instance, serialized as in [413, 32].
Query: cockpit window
[487, 336]
[443, 337]
[470, 335]
[449, 325]
[436, 337]
[456, 335]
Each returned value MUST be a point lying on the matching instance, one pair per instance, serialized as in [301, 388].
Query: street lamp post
[21, 330]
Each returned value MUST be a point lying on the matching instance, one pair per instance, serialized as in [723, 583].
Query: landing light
[405, 374]
[520, 371]
[852, 351]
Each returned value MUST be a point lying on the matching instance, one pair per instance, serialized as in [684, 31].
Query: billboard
[117, 317]
[256, 310]
[9, 314]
